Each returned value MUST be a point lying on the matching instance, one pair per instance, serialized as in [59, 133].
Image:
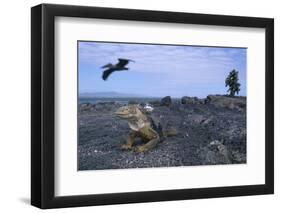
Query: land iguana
[142, 126]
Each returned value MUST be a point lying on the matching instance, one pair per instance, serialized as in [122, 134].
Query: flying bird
[120, 66]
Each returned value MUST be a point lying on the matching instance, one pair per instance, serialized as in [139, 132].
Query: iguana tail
[170, 132]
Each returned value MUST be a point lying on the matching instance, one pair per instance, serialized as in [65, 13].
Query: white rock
[148, 108]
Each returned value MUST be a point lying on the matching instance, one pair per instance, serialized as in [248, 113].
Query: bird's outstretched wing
[122, 62]
[106, 73]
[107, 65]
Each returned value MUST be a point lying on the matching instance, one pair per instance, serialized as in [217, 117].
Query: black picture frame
[43, 111]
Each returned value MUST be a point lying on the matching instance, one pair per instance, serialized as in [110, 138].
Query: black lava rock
[189, 100]
[208, 134]
[166, 101]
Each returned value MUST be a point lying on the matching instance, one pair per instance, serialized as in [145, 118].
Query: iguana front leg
[154, 139]
[130, 140]
[151, 144]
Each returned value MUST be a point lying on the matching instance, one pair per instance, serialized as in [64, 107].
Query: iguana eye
[132, 109]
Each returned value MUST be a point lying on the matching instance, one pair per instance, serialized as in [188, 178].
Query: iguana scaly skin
[141, 126]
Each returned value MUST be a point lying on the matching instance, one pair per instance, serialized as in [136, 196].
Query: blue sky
[160, 70]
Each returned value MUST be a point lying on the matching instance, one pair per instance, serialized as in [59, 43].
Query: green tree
[232, 82]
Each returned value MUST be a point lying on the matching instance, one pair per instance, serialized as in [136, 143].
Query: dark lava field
[211, 131]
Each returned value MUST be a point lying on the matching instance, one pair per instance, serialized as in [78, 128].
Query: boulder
[107, 106]
[189, 100]
[166, 101]
[85, 107]
[216, 153]
[238, 103]
[196, 118]
[239, 157]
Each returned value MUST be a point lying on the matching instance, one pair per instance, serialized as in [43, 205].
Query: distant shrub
[232, 82]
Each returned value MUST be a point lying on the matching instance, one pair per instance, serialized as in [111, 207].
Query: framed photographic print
[139, 106]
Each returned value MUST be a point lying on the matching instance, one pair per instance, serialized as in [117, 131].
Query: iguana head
[128, 112]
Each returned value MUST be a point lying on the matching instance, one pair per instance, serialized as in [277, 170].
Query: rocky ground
[211, 131]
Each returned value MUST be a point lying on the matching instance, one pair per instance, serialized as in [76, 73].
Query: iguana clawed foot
[140, 149]
[126, 146]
